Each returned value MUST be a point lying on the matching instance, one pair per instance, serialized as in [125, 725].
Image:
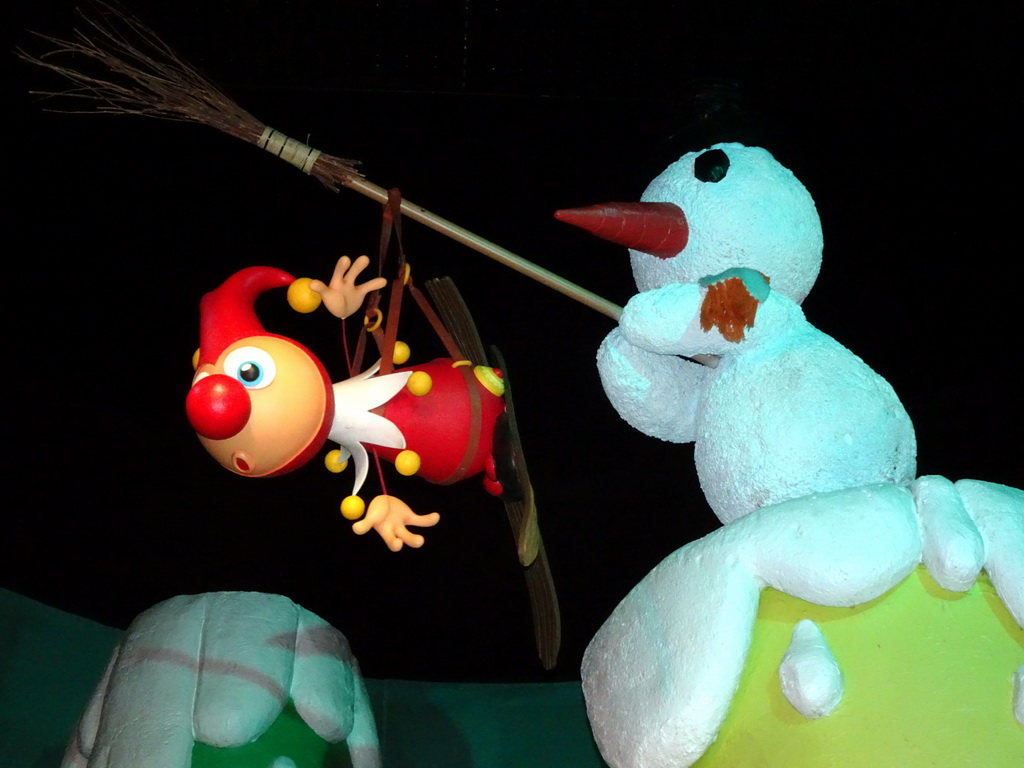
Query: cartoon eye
[711, 166]
[252, 366]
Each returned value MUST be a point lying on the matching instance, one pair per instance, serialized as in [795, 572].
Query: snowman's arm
[656, 394]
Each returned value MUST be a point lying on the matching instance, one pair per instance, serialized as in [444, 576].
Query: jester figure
[264, 405]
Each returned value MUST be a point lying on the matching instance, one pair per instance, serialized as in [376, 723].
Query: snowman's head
[743, 209]
[732, 206]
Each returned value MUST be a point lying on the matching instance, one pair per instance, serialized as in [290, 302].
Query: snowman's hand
[342, 296]
[389, 516]
[731, 301]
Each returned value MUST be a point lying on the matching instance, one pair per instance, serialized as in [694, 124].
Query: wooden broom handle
[486, 247]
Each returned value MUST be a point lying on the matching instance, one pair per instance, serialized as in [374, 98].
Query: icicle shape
[809, 673]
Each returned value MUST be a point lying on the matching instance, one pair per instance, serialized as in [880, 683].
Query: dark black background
[900, 118]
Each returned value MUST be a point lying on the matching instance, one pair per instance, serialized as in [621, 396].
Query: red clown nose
[659, 229]
[218, 407]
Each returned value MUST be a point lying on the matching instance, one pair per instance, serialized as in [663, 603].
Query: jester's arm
[342, 296]
[654, 393]
[389, 516]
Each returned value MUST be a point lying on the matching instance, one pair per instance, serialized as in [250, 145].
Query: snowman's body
[786, 413]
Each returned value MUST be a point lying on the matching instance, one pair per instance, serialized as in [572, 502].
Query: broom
[144, 76]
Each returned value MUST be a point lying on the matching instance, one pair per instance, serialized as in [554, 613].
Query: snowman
[809, 457]
[787, 411]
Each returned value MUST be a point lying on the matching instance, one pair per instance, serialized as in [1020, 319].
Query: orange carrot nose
[659, 229]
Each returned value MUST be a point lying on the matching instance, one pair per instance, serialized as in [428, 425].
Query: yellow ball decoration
[401, 353]
[334, 462]
[420, 383]
[407, 463]
[352, 508]
[301, 297]
[195, 359]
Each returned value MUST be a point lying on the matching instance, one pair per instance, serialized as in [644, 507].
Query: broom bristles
[142, 75]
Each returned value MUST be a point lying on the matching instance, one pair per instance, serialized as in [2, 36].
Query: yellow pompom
[401, 353]
[352, 508]
[420, 383]
[301, 297]
[334, 462]
[407, 463]
[195, 359]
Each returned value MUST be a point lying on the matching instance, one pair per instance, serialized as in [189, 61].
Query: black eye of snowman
[711, 165]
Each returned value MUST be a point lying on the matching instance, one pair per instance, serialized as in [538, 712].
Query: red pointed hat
[227, 313]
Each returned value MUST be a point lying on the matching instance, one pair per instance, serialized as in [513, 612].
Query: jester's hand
[390, 516]
[342, 296]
